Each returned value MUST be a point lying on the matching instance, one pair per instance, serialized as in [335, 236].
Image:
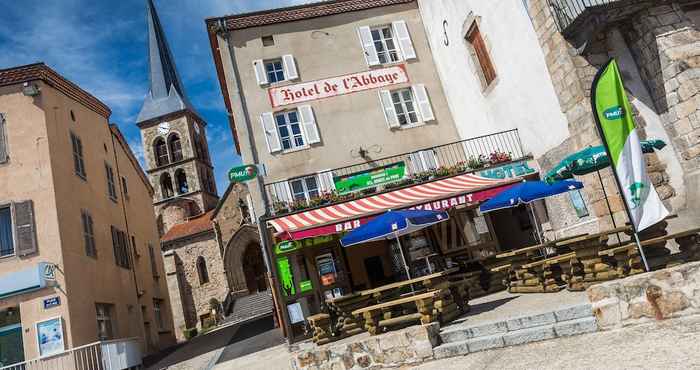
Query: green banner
[293, 245]
[370, 178]
[614, 116]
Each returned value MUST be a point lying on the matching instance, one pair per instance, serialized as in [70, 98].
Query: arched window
[202, 271]
[181, 180]
[161, 152]
[166, 186]
[175, 148]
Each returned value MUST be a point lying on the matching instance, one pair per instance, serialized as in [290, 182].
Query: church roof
[166, 93]
[193, 226]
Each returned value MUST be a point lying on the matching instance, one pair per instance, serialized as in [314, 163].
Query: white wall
[523, 96]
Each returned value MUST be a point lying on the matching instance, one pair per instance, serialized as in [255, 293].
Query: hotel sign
[334, 86]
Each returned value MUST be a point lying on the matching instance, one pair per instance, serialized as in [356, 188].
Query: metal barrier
[567, 11]
[117, 354]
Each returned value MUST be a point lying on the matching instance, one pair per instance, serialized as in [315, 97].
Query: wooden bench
[321, 326]
[551, 260]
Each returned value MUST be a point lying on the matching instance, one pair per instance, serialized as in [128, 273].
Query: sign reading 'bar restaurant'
[334, 86]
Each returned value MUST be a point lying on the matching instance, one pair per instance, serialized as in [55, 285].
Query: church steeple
[166, 93]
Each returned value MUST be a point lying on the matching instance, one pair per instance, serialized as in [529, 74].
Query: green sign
[243, 173]
[370, 178]
[292, 245]
[305, 286]
[286, 277]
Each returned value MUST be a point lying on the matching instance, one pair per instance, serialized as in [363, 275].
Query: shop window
[7, 245]
[105, 321]
[175, 147]
[481, 56]
[202, 271]
[160, 150]
[88, 234]
[158, 313]
[78, 161]
[111, 188]
[305, 188]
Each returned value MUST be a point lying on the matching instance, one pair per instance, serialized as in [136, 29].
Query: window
[88, 234]
[72, 116]
[161, 152]
[111, 188]
[289, 130]
[405, 109]
[268, 40]
[202, 271]
[274, 70]
[154, 265]
[7, 245]
[105, 324]
[305, 188]
[78, 161]
[3, 140]
[121, 248]
[181, 180]
[481, 55]
[133, 246]
[157, 313]
[175, 148]
[166, 186]
[125, 187]
[384, 44]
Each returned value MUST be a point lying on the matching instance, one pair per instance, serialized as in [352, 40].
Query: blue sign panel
[52, 302]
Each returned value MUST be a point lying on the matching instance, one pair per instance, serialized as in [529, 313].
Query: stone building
[204, 238]
[78, 237]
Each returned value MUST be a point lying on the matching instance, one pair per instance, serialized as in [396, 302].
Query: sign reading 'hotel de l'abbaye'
[334, 86]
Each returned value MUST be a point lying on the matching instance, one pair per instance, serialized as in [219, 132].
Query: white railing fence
[117, 354]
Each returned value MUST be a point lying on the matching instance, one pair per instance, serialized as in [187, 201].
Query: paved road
[252, 337]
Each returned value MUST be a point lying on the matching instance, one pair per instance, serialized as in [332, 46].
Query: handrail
[567, 12]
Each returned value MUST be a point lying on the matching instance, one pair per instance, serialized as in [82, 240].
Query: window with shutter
[25, 228]
[304, 189]
[423, 102]
[281, 192]
[290, 67]
[7, 240]
[481, 55]
[325, 181]
[309, 125]
[388, 107]
[78, 161]
[111, 188]
[260, 74]
[368, 47]
[3, 140]
[403, 38]
[275, 70]
[289, 129]
[272, 138]
[385, 44]
[423, 160]
[88, 234]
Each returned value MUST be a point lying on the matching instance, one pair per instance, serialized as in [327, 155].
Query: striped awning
[398, 199]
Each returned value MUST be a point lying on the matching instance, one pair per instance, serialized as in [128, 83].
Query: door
[375, 271]
[11, 347]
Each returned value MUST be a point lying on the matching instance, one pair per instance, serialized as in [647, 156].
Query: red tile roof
[195, 225]
[296, 13]
[40, 71]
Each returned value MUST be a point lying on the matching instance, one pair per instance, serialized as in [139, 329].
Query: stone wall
[659, 295]
[412, 345]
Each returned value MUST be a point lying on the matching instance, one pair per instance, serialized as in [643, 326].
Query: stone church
[210, 246]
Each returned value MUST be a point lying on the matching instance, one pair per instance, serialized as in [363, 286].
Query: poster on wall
[295, 313]
[50, 337]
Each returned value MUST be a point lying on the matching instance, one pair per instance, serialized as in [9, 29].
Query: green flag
[618, 130]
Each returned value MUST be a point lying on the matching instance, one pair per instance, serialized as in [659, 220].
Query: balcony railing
[109, 355]
[390, 173]
[566, 12]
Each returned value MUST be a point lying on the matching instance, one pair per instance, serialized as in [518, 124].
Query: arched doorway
[254, 269]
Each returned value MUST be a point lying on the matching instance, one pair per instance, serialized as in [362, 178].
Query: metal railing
[117, 354]
[420, 166]
[567, 11]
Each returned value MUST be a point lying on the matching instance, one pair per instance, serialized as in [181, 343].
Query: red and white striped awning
[398, 199]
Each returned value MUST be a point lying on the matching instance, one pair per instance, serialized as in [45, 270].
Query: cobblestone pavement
[671, 344]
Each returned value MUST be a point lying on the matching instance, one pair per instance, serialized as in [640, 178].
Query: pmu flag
[613, 114]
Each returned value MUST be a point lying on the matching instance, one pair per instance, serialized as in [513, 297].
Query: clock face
[164, 128]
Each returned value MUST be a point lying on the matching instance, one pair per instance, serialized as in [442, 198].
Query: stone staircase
[251, 307]
[462, 339]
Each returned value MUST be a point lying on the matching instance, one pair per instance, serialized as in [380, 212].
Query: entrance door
[254, 269]
[11, 347]
[375, 271]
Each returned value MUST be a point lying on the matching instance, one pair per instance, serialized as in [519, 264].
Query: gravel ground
[671, 344]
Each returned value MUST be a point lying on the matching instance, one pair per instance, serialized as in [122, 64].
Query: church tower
[174, 138]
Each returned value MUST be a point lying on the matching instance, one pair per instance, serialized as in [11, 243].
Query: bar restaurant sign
[335, 86]
[370, 178]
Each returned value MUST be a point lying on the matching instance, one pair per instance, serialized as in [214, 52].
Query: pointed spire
[166, 94]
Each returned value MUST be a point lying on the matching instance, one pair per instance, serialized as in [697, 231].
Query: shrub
[189, 333]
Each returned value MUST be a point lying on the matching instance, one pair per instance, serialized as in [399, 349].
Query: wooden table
[428, 282]
[345, 323]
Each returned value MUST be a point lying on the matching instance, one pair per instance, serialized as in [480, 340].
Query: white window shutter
[260, 73]
[404, 40]
[416, 163]
[429, 159]
[368, 46]
[389, 111]
[308, 124]
[272, 137]
[423, 102]
[290, 67]
[282, 191]
[325, 181]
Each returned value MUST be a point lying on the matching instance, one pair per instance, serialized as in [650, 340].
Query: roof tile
[195, 225]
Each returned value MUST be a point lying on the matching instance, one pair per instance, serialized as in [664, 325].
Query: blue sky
[101, 46]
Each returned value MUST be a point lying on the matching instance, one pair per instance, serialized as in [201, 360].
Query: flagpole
[599, 127]
[607, 201]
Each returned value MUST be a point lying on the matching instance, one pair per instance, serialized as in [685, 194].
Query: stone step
[251, 306]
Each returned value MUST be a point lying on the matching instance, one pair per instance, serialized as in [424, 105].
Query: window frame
[481, 56]
[386, 52]
[88, 233]
[161, 159]
[275, 70]
[111, 185]
[406, 113]
[291, 136]
[9, 207]
[202, 271]
[305, 188]
[176, 153]
[78, 156]
[104, 312]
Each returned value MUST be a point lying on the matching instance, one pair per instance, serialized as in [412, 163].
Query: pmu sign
[243, 173]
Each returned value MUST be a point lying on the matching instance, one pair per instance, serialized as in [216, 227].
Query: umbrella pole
[607, 201]
[403, 258]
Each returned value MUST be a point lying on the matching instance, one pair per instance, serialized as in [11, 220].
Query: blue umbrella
[527, 192]
[392, 225]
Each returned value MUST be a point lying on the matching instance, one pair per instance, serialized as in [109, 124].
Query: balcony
[375, 176]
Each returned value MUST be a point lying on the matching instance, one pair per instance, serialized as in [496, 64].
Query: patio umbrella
[392, 225]
[527, 192]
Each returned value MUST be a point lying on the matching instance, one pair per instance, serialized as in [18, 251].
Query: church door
[254, 269]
